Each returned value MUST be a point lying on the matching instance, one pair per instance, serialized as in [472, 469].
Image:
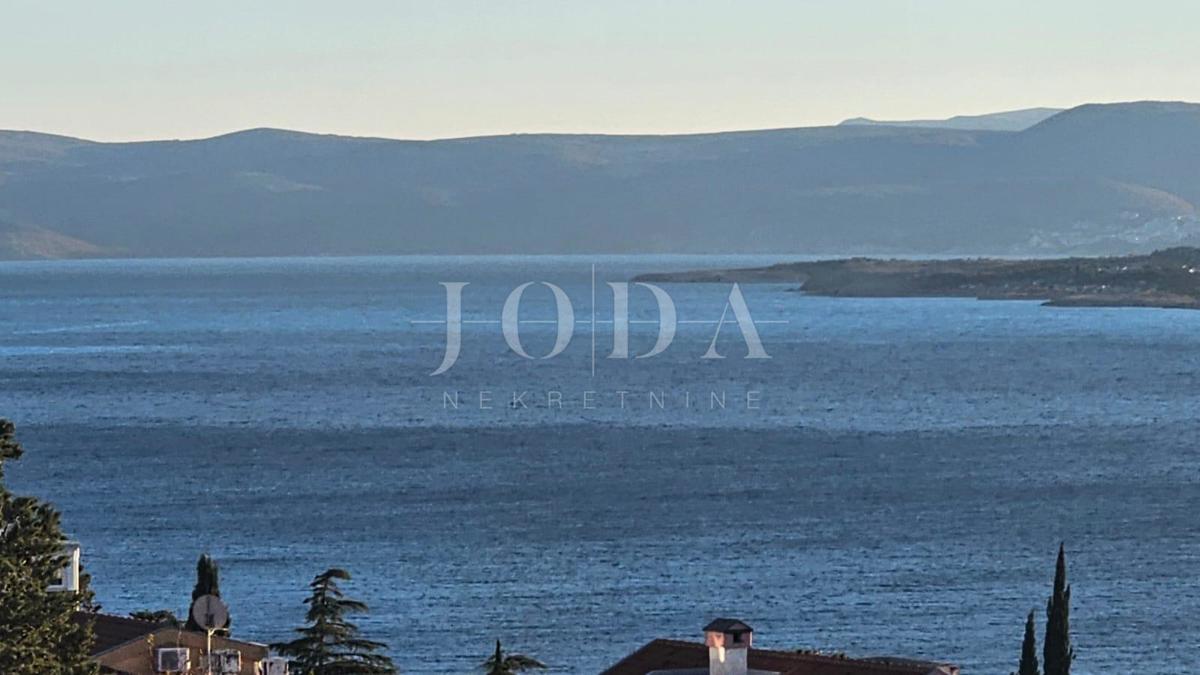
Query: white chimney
[728, 643]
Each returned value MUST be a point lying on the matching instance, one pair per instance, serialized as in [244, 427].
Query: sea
[602, 463]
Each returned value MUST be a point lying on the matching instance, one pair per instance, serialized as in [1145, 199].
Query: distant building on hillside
[126, 646]
[728, 650]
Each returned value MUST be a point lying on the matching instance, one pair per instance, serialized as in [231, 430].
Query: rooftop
[112, 631]
[677, 655]
[728, 626]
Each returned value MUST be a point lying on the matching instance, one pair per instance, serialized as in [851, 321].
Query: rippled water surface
[895, 479]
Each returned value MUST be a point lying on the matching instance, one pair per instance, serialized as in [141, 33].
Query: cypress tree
[330, 644]
[1029, 660]
[40, 630]
[208, 582]
[208, 578]
[1057, 653]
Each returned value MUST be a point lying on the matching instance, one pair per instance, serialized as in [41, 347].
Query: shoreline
[1168, 279]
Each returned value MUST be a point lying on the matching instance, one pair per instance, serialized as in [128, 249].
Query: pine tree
[208, 582]
[509, 664]
[1029, 660]
[1057, 653]
[329, 644]
[38, 631]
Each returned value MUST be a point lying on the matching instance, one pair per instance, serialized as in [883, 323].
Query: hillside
[1094, 179]
[25, 242]
[27, 146]
[1011, 120]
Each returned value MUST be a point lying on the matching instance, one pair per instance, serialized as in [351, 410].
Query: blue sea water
[895, 479]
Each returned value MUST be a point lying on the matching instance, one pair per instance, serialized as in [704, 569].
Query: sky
[135, 70]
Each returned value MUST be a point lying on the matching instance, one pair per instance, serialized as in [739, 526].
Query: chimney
[728, 643]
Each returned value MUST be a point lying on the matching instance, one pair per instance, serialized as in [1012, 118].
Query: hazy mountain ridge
[1093, 179]
[31, 146]
[1010, 120]
[26, 242]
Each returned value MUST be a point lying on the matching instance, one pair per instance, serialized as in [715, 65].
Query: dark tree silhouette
[1057, 653]
[509, 664]
[1029, 660]
[208, 582]
[329, 644]
[163, 616]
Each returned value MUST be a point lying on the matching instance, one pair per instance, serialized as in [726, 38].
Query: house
[728, 650]
[126, 646]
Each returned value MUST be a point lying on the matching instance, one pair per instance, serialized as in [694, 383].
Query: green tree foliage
[1029, 660]
[208, 582]
[509, 664]
[1057, 653]
[38, 631]
[163, 616]
[329, 644]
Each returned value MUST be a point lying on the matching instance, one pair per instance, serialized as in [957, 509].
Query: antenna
[210, 614]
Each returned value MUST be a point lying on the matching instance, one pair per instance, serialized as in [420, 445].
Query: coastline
[1168, 279]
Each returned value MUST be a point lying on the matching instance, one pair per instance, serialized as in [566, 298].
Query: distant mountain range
[1112, 178]
[1012, 120]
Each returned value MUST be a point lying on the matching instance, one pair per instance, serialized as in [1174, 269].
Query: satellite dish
[210, 613]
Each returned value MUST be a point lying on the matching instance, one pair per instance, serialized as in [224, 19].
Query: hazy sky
[158, 69]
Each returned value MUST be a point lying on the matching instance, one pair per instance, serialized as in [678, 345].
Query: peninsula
[1166, 278]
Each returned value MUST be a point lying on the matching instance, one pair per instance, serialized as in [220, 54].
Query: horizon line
[371, 137]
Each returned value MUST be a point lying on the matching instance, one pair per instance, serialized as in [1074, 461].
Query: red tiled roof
[672, 654]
